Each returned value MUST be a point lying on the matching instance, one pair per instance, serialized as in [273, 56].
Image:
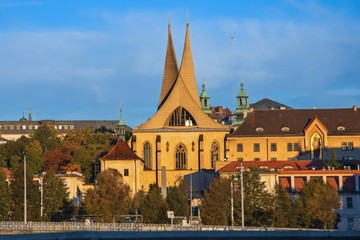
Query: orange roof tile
[121, 151]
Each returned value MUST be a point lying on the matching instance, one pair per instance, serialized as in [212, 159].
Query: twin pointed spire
[171, 71]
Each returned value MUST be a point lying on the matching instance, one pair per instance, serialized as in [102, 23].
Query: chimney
[355, 108]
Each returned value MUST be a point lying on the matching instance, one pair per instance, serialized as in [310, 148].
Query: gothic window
[181, 162]
[316, 146]
[214, 153]
[147, 156]
[181, 117]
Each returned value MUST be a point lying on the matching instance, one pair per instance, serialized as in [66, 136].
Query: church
[180, 138]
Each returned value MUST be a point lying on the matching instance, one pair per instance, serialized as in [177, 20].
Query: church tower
[205, 101]
[180, 138]
[242, 106]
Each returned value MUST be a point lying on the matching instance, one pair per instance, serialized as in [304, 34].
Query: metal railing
[116, 227]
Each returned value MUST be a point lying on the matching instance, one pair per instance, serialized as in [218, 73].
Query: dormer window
[287, 167]
[259, 129]
[341, 128]
[285, 129]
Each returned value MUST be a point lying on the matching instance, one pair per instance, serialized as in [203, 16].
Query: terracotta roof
[121, 151]
[289, 165]
[7, 172]
[296, 120]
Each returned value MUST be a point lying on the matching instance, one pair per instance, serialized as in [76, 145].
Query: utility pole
[25, 207]
[242, 196]
[42, 194]
[232, 201]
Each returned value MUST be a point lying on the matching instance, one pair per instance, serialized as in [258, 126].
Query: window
[273, 159]
[30, 127]
[349, 202]
[289, 147]
[256, 159]
[350, 146]
[214, 153]
[180, 157]
[181, 117]
[126, 172]
[147, 156]
[24, 127]
[296, 147]
[240, 159]
[256, 147]
[343, 146]
[273, 147]
[239, 147]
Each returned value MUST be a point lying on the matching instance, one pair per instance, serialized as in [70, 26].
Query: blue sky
[82, 59]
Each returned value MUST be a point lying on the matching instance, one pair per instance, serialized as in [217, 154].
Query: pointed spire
[171, 70]
[121, 125]
[30, 117]
[187, 71]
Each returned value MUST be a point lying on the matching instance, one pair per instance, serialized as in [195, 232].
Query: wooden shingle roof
[274, 122]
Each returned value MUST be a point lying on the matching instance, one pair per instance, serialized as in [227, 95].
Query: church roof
[267, 103]
[294, 121]
[121, 151]
[182, 95]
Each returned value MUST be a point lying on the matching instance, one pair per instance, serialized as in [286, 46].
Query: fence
[111, 227]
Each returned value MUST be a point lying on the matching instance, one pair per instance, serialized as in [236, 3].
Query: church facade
[180, 138]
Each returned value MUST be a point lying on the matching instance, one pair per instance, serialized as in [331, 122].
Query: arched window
[316, 146]
[147, 156]
[181, 117]
[214, 153]
[181, 162]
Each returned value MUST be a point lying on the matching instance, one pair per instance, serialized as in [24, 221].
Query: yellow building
[297, 134]
[180, 137]
[126, 162]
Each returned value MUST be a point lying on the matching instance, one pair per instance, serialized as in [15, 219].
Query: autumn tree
[4, 197]
[153, 206]
[316, 205]
[57, 205]
[110, 197]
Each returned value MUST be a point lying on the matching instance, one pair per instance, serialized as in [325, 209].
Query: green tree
[153, 206]
[215, 205]
[57, 206]
[4, 197]
[316, 204]
[258, 201]
[17, 196]
[47, 137]
[283, 215]
[110, 197]
[332, 162]
[177, 200]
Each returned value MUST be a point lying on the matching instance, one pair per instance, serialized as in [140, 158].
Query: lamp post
[242, 196]
[25, 207]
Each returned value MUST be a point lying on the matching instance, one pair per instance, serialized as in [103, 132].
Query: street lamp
[242, 196]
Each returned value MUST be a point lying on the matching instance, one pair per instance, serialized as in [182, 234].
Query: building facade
[180, 137]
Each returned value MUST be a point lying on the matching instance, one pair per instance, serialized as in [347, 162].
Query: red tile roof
[121, 151]
[272, 121]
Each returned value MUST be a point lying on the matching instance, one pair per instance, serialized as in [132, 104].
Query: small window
[240, 159]
[349, 202]
[341, 128]
[350, 158]
[273, 159]
[273, 147]
[285, 129]
[256, 159]
[30, 127]
[350, 146]
[343, 146]
[126, 172]
[256, 147]
[289, 147]
[239, 147]
[296, 147]
[259, 129]
[24, 127]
